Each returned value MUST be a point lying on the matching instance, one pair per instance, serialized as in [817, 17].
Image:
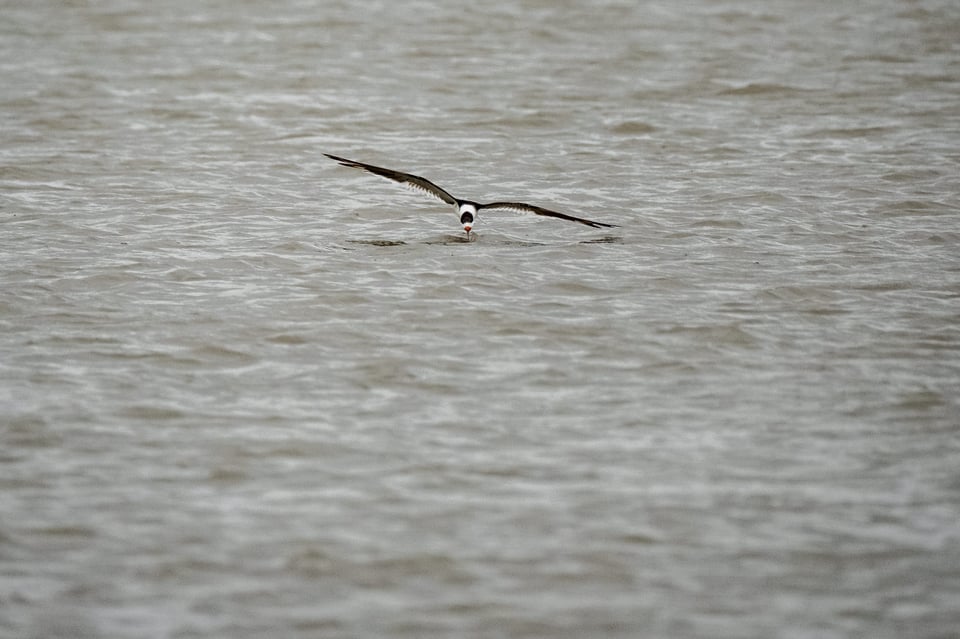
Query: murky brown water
[246, 392]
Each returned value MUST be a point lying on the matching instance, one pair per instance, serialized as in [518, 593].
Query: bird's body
[467, 210]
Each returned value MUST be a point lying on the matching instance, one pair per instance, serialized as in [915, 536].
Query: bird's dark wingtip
[337, 158]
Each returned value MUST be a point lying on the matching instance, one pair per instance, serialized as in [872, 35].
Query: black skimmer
[466, 209]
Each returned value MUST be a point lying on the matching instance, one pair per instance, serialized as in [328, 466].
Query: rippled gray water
[246, 392]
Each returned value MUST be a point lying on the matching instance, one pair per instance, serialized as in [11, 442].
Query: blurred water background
[245, 392]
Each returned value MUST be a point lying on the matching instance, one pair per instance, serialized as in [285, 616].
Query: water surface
[247, 392]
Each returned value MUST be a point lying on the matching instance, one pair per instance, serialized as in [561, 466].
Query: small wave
[762, 88]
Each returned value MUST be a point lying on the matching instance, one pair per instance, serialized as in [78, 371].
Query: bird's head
[467, 214]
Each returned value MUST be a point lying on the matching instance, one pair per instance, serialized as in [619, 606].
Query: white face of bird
[468, 215]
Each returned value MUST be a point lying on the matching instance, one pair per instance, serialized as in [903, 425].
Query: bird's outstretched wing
[539, 210]
[404, 178]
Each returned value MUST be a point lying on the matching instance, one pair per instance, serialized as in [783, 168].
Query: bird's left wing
[404, 178]
[539, 210]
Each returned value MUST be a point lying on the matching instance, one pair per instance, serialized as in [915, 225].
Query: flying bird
[466, 209]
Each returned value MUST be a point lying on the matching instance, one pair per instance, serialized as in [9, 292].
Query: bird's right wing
[415, 181]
